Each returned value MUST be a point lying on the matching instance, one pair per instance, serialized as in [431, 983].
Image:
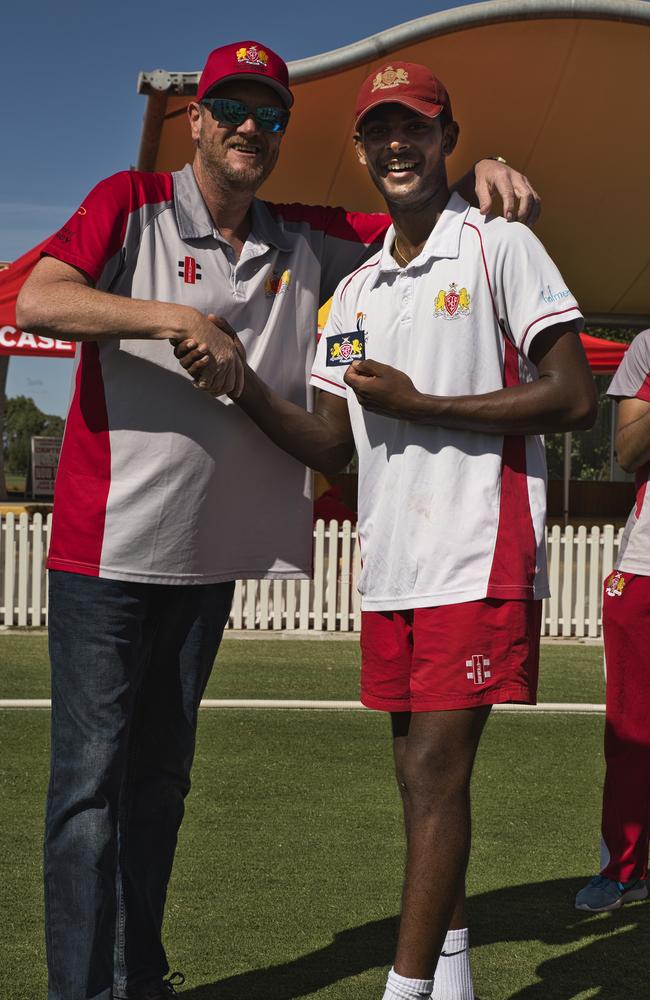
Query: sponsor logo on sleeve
[453, 303]
[550, 296]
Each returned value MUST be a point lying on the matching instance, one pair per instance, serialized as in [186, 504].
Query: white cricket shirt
[448, 516]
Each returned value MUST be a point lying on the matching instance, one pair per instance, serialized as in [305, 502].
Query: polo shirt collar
[195, 222]
[443, 241]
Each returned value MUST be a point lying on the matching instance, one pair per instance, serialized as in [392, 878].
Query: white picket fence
[579, 559]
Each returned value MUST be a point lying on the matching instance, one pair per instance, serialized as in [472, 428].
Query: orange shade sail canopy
[558, 87]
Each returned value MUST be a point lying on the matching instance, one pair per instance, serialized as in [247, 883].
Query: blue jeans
[130, 663]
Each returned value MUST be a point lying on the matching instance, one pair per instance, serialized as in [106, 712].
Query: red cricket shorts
[450, 657]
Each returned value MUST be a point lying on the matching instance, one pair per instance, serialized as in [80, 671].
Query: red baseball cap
[405, 83]
[245, 61]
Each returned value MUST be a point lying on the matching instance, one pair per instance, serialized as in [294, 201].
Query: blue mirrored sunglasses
[229, 112]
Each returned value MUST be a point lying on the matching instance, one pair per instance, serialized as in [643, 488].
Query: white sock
[400, 988]
[453, 979]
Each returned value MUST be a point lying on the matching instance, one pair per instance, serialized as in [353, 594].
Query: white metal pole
[568, 437]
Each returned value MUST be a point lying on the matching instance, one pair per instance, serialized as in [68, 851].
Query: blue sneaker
[605, 894]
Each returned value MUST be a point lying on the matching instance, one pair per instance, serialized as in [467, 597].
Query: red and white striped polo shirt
[158, 482]
[447, 516]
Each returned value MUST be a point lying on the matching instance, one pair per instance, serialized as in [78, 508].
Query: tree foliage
[24, 420]
[590, 450]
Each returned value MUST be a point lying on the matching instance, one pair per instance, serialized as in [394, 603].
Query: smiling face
[243, 155]
[405, 154]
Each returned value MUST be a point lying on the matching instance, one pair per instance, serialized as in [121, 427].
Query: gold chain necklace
[400, 254]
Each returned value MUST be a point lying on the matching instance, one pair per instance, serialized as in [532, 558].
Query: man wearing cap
[442, 362]
[165, 495]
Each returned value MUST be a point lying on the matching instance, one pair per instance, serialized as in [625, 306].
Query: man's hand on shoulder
[213, 355]
[521, 202]
[382, 389]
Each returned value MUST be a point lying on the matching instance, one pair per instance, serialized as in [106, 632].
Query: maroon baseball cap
[245, 61]
[405, 83]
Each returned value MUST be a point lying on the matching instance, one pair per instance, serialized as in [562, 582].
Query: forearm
[308, 437]
[534, 408]
[633, 444]
[69, 310]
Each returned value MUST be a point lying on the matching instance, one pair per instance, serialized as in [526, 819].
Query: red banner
[13, 340]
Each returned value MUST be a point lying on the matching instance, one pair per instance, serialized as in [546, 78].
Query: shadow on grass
[614, 966]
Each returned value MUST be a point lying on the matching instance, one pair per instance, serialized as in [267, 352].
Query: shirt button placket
[407, 296]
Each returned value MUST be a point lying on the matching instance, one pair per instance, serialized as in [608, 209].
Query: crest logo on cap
[388, 78]
[453, 303]
[252, 56]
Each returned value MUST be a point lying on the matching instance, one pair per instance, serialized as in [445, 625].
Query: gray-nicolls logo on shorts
[477, 671]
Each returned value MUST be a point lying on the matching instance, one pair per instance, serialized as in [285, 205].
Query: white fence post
[579, 560]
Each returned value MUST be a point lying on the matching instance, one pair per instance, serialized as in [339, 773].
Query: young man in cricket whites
[444, 364]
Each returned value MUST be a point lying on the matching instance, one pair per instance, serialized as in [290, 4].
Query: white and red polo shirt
[158, 482]
[632, 381]
[448, 516]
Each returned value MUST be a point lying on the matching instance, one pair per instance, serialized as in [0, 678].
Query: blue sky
[70, 113]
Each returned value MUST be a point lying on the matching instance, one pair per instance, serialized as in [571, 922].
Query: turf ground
[290, 859]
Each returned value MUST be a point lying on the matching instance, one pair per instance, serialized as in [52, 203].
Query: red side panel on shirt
[641, 486]
[644, 391]
[357, 227]
[96, 231]
[515, 553]
[84, 475]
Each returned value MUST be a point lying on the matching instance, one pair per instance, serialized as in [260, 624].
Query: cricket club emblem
[476, 671]
[252, 56]
[347, 350]
[453, 303]
[277, 284]
[615, 585]
[390, 78]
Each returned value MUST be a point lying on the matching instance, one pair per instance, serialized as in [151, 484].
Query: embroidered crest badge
[252, 56]
[344, 348]
[277, 284]
[389, 78]
[615, 585]
[453, 303]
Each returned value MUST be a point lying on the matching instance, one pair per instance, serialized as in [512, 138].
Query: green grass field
[289, 863]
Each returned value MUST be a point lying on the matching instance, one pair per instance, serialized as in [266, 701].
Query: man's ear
[194, 115]
[358, 146]
[450, 138]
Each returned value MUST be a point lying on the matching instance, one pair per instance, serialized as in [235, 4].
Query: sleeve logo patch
[453, 303]
[550, 296]
[344, 348]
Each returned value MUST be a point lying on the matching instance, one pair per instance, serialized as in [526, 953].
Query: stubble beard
[243, 178]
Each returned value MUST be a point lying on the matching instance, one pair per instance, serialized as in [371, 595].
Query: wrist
[496, 158]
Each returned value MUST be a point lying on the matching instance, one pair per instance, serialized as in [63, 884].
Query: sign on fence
[45, 461]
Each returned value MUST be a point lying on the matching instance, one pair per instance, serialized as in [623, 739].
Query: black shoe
[158, 989]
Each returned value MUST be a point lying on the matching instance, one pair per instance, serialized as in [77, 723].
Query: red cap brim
[425, 108]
